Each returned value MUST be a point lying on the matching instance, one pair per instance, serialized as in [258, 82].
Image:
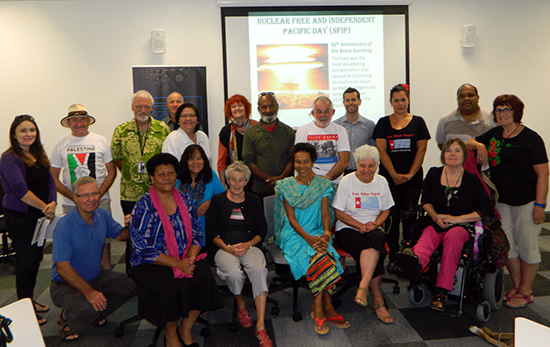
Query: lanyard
[142, 146]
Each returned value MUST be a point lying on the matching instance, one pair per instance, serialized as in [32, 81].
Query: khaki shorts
[521, 231]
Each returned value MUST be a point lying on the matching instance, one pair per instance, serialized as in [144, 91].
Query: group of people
[179, 213]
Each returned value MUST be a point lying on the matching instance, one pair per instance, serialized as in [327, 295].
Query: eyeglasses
[188, 116]
[148, 108]
[87, 195]
[266, 93]
[506, 110]
[24, 117]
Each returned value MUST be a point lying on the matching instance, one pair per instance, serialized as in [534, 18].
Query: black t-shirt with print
[511, 162]
[401, 144]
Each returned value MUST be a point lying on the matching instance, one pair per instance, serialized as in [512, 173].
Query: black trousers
[127, 207]
[21, 229]
[404, 196]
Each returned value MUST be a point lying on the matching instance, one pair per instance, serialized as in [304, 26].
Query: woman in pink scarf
[166, 239]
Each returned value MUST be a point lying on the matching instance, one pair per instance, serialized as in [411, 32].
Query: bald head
[173, 102]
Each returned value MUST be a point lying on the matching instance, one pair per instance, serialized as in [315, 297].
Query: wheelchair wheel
[417, 295]
[493, 290]
[483, 312]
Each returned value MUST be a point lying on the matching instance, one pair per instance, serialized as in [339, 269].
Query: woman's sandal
[321, 326]
[507, 295]
[339, 322]
[440, 300]
[360, 302]
[40, 308]
[524, 300]
[384, 317]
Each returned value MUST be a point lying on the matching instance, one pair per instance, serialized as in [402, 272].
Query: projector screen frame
[297, 10]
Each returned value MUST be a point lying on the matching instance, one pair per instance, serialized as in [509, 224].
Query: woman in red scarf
[230, 149]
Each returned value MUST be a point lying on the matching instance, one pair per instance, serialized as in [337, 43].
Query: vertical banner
[161, 81]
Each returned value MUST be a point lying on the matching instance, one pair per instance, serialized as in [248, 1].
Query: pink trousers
[453, 240]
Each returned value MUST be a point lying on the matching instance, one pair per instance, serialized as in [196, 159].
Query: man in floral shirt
[133, 143]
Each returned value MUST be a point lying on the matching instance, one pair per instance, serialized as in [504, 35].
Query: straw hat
[76, 110]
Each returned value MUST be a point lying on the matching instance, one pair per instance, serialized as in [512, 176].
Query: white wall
[55, 53]
[511, 57]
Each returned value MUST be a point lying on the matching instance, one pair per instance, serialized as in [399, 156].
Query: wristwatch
[540, 205]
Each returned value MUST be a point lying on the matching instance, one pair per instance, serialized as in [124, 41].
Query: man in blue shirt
[86, 293]
[358, 127]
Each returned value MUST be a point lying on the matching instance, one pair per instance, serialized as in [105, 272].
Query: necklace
[304, 182]
[507, 137]
[451, 191]
[459, 177]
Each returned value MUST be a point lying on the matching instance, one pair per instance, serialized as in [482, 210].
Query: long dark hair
[35, 149]
[184, 174]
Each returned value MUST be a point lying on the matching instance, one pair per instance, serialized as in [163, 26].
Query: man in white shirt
[330, 140]
[80, 154]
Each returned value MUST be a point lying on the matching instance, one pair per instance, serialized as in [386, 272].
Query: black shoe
[407, 265]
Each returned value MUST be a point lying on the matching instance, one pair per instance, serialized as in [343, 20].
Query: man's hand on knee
[97, 299]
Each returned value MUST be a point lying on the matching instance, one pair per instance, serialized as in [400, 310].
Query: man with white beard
[330, 140]
[133, 143]
[266, 147]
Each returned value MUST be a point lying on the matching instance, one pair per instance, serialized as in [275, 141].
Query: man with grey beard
[133, 143]
[266, 147]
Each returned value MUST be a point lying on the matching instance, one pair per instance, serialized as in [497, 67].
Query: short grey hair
[142, 94]
[81, 181]
[366, 152]
[322, 98]
[238, 166]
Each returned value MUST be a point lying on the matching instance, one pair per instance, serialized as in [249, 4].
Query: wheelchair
[477, 279]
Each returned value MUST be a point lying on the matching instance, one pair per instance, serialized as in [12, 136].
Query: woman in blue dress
[303, 220]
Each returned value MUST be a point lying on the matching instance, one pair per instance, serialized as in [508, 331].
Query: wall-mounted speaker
[468, 36]
[158, 41]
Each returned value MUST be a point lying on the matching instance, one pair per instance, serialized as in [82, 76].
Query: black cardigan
[217, 218]
[471, 196]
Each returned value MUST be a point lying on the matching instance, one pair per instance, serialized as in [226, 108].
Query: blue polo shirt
[81, 244]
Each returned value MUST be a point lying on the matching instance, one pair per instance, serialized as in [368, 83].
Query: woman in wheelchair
[236, 226]
[453, 199]
[303, 218]
[362, 204]
[166, 238]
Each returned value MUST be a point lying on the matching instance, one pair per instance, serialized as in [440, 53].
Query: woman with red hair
[230, 149]
[519, 169]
